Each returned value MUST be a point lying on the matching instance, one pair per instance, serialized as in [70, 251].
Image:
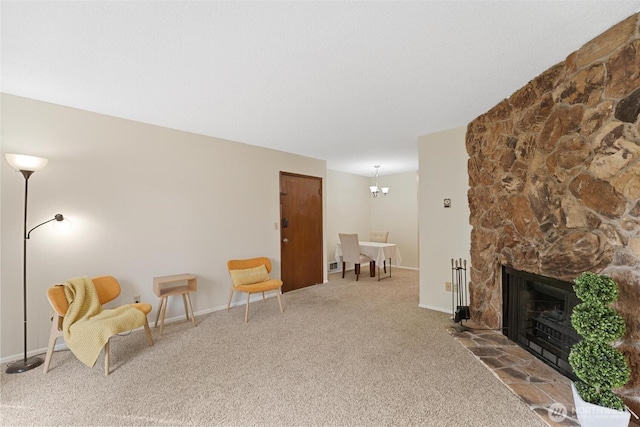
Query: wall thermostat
[447, 203]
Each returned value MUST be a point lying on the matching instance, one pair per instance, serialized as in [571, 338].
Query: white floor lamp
[27, 165]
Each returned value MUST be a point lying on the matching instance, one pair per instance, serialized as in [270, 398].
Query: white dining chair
[379, 236]
[351, 253]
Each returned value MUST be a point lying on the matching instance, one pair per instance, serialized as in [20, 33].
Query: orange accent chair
[108, 289]
[252, 276]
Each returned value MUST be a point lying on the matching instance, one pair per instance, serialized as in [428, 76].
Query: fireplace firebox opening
[536, 313]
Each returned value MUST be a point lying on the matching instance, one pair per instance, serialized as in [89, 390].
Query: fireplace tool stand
[458, 284]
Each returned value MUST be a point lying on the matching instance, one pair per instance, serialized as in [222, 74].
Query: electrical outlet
[447, 286]
[136, 299]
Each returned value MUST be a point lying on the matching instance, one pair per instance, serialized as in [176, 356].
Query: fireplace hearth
[537, 316]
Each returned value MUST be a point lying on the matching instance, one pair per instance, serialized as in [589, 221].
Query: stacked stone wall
[554, 177]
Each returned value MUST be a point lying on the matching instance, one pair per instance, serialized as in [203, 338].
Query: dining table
[378, 252]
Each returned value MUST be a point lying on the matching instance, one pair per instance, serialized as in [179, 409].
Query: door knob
[285, 240]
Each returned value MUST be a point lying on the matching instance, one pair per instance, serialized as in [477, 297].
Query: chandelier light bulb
[375, 189]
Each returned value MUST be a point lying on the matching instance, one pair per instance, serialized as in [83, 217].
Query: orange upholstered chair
[108, 289]
[252, 276]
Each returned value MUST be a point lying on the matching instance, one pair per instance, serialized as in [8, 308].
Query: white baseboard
[60, 344]
[436, 308]
[402, 267]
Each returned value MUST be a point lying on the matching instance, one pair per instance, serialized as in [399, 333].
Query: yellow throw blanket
[87, 327]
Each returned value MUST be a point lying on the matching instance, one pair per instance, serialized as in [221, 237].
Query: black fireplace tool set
[459, 285]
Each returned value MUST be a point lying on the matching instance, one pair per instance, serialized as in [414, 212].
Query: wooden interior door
[300, 231]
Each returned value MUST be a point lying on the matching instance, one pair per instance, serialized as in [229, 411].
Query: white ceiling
[354, 83]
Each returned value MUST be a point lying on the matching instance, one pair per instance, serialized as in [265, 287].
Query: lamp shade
[62, 224]
[23, 162]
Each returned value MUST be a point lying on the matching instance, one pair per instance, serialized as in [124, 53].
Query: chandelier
[375, 189]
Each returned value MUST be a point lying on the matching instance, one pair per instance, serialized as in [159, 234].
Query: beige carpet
[344, 353]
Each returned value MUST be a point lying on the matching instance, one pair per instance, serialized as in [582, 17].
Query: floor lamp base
[24, 365]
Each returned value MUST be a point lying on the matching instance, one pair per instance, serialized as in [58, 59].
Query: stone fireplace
[554, 177]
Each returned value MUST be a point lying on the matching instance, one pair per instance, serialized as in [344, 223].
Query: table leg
[158, 313]
[385, 277]
[164, 310]
[372, 269]
[186, 308]
[193, 317]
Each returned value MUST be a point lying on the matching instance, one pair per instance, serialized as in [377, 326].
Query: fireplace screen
[537, 316]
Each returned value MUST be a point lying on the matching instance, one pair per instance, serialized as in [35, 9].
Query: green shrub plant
[600, 366]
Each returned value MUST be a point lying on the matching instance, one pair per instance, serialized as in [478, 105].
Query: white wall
[445, 233]
[352, 209]
[348, 208]
[397, 212]
[145, 201]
